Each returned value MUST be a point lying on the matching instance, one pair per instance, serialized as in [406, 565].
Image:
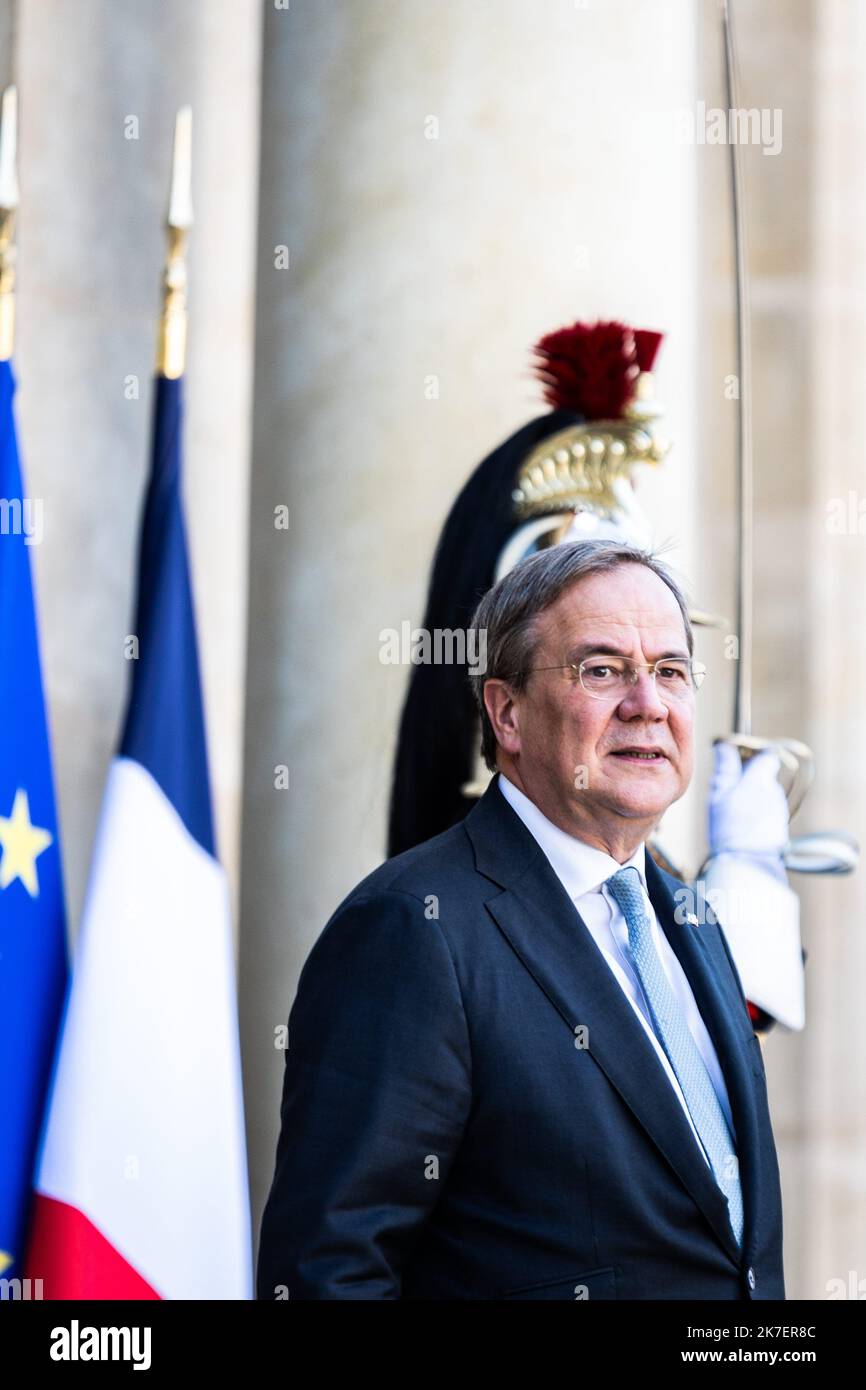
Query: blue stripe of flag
[164, 728]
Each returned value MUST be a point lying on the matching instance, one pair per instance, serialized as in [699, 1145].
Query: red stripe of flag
[73, 1258]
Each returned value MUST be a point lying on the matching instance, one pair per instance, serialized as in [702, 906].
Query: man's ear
[502, 711]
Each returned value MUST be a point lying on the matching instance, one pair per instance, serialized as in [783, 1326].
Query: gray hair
[507, 613]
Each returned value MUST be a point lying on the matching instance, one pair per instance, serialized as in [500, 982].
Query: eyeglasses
[612, 677]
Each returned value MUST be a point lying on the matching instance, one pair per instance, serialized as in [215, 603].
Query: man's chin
[641, 803]
[650, 815]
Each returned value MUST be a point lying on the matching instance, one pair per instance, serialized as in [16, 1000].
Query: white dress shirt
[582, 871]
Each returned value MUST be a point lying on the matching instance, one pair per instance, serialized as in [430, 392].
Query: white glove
[748, 811]
[746, 884]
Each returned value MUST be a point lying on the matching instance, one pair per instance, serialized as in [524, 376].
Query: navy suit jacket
[472, 1110]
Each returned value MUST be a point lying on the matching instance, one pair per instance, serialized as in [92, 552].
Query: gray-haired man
[516, 1068]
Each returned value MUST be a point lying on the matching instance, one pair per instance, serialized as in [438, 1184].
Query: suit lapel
[549, 936]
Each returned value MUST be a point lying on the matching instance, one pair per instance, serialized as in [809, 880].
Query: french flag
[142, 1189]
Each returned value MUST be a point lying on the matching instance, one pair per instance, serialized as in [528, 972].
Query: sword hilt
[819, 852]
[797, 769]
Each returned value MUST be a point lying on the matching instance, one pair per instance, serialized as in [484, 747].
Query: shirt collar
[580, 867]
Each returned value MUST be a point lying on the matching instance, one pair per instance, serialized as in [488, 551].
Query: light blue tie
[675, 1036]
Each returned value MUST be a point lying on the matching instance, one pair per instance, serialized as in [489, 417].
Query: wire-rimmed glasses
[612, 677]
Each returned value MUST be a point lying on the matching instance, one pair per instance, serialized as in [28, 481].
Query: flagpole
[8, 208]
[171, 350]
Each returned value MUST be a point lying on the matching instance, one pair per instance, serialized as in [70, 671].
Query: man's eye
[599, 672]
[669, 673]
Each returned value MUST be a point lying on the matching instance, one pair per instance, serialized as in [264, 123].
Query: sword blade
[742, 723]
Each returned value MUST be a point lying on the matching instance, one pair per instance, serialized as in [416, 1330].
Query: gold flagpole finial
[171, 352]
[8, 208]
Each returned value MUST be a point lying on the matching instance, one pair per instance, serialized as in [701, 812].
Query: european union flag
[33, 961]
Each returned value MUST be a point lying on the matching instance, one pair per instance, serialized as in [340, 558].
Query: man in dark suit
[520, 1060]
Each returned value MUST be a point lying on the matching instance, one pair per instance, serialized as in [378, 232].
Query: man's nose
[643, 699]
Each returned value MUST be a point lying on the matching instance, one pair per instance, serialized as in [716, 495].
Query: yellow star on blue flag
[21, 843]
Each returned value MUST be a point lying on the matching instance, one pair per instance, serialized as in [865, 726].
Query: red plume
[592, 368]
[646, 346]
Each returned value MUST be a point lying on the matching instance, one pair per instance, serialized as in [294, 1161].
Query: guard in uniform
[568, 475]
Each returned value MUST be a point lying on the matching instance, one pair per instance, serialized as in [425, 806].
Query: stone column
[830, 1143]
[99, 84]
[807, 272]
[449, 181]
